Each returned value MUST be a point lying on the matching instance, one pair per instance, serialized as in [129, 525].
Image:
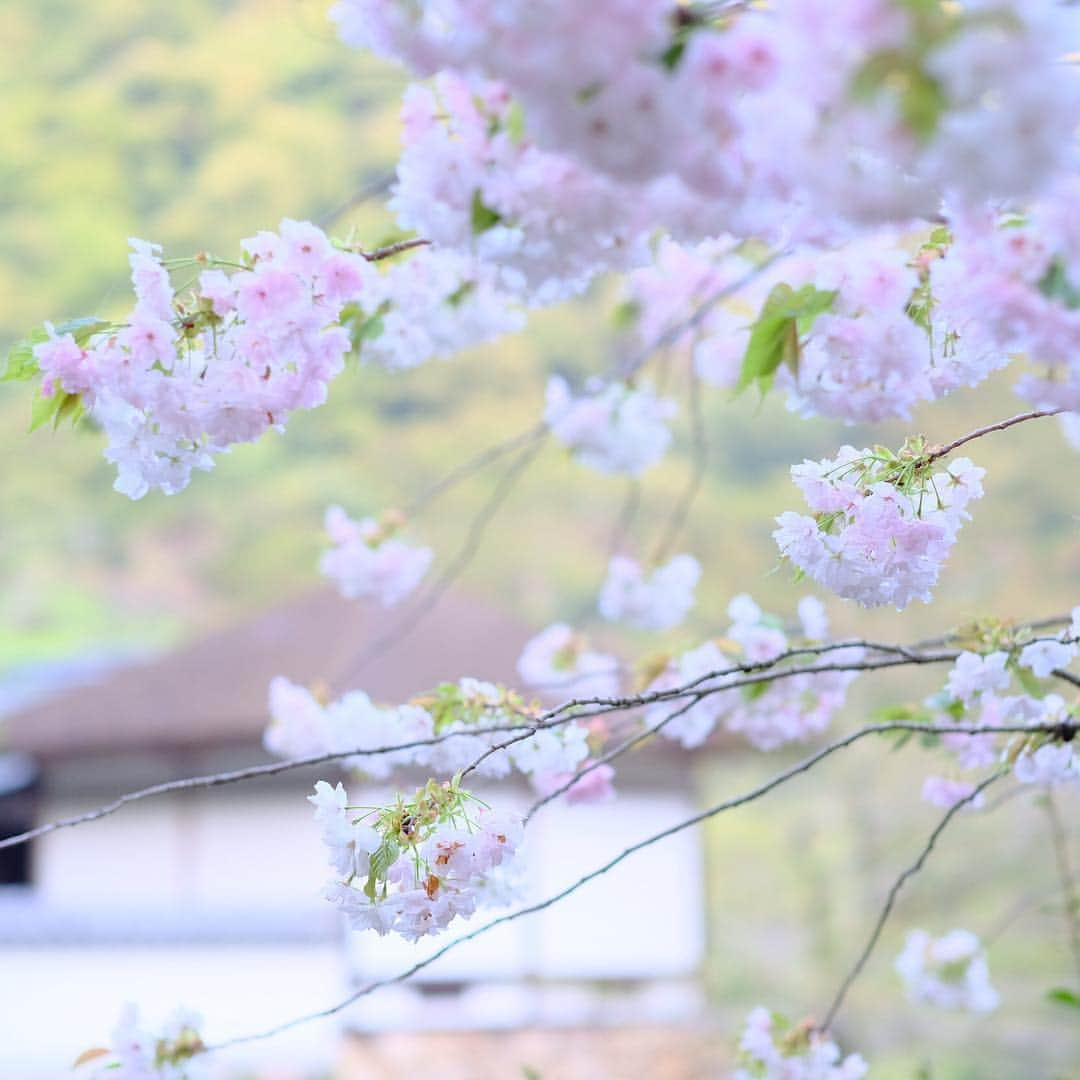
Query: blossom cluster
[771, 1048]
[175, 1053]
[367, 561]
[613, 427]
[976, 694]
[1009, 284]
[183, 378]
[657, 601]
[949, 972]
[414, 867]
[559, 663]
[847, 112]
[443, 732]
[189, 373]
[883, 523]
[433, 304]
[767, 714]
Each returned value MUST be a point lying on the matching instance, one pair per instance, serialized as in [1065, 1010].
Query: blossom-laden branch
[753, 674]
[754, 794]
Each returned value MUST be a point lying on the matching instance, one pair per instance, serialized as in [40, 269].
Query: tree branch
[699, 456]
[894, 892]
[1068, 881]
[941, 451]
[563, 714]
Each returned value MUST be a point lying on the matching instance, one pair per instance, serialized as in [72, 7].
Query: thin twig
[579, 709]
[671, 335]
[894, 892]
[1068, 881]
[431, 596]
[391, 250]
[605, 759]
[378, 186]
[630, 506]
[730, 804]
[474, 464]
[699, 458]
[941, 451]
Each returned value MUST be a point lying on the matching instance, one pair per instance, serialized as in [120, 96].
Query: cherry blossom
[174, 1053]
[870, 539]
[949, 972]
[658, 601]
[1044, 657]
[945, 792]
[418, 865]
[559, 663]
[613, 428]
[770, 1048]
[368, 562]
[972, 674]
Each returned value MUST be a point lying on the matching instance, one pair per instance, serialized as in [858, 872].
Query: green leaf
[382, 858]
[461, 294]
[55, 410]
[625, 314]
[1063, 996]
[515, 122]
[1055, 285]
[774, 337]
[482, 216]
[361, 326]
[752, 691]
[673, 54]
[902, 739]
[921, 97]
[21, 364]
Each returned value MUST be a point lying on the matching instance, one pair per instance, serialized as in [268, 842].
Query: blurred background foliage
[196, 124]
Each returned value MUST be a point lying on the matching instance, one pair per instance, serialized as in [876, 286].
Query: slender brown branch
[379, 186]
[699, 463]
[579, 709]
[730, 804]
[391, 250]
[431, 596]
[894, 892]
[605, 759]
[1070, 894]
[475, 464]
[941, 451]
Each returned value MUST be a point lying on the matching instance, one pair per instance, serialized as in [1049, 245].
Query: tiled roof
[213, 691]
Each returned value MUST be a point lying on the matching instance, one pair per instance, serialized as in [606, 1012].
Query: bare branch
[1068, 881]
[941, 451]
[379, 186]
[699, 462]
[473, 465]
[431, 595]
[894, 892]
[730, 804]
[391, 250]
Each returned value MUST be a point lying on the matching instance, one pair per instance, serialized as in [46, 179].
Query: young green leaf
[774, 338]
[482, 215]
